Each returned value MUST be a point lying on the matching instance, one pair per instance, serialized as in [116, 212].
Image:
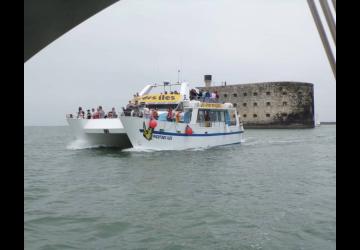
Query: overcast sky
[114, 54]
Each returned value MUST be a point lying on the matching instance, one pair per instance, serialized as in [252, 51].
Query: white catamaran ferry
[172, 121]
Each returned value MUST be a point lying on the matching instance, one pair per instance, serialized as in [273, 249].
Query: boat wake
[82, 144]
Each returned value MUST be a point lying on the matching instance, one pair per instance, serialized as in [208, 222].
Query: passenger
[79, 112]
[170, 116]
[173, 114]
[88, 115]
[155, 114]
[207, 116]
[109, 115]
[207, 96]
[137, 94]
[96, 114]
[217, 96]
[207, 119]
[146, 113]
[92, 112]
[82, 114]
[129, 106]
[135, 109]
[165, 93]
[200, 94]
[203, 97]
[101, 112]
[171, 92]
[178, 116]
[175, 92]
[213, 97]
[113, 112]
[192, 94]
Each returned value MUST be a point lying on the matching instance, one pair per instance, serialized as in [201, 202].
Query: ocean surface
[277, 190]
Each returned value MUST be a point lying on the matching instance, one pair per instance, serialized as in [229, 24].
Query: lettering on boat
[163, 137]
[159, 98]
[211, 105]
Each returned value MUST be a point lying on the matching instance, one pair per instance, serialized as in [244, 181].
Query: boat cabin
[209, 114]
[203, 114]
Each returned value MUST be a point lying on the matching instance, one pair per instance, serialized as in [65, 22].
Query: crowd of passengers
[204, 96]
[140, 110]
[98, 114]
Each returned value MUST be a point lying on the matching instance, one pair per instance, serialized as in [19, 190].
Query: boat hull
[172, 136]
[100, 132]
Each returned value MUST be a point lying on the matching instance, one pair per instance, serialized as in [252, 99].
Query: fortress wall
[271, 104]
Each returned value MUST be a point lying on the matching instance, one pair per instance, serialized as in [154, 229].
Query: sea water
[276, 190]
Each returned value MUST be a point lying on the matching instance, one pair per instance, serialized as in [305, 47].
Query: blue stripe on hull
[179, 134]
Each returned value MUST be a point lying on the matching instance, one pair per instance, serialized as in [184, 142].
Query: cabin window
[225, 95]
[267, 115]
[284, 93]
[244, 115]
[245, 94]
[268, 93]
[255, 104]
[201, 116]
[244, 104]
[254, 115]
[213, 115]
[300, 93]
[232, 117]
[284, 103]
[283, 114]
[235, 95]
[255, 93]
[217, 116]
[220, 116]
[268, 104]
[234, 104]
[206, 117]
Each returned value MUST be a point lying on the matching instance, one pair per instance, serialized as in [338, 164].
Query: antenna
[178, 76]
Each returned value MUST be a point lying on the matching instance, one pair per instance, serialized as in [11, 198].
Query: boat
[198, 123]
[107, 132]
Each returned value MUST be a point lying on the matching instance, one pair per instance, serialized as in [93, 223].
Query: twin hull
[171, 135]
[100, 132]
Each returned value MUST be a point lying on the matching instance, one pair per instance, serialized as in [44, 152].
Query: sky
[114, 54]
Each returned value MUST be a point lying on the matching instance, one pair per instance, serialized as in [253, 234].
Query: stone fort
[269, 104]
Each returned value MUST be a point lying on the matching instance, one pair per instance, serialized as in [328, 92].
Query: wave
[83, 144]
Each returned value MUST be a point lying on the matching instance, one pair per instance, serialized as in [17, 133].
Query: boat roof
[145, 95]
[159, 98]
